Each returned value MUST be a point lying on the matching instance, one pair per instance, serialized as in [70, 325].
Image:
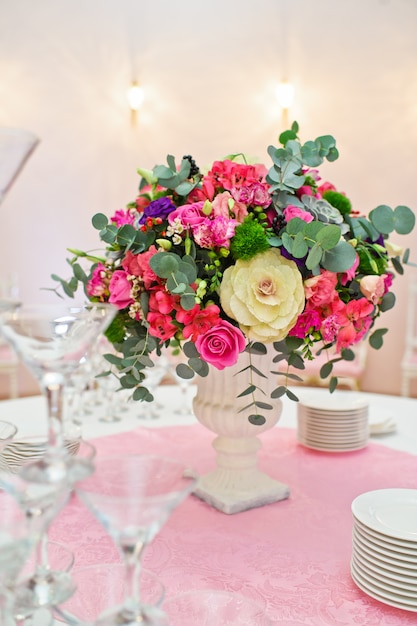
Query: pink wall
[209, 72]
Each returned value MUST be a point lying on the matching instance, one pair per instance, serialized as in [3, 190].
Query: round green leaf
[99, 221]
[340, 258]
[164, 264]
[404, 220]
[382, 218]
[328, 237]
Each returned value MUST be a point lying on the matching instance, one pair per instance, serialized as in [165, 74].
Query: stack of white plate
[336, 423]
[384, 551]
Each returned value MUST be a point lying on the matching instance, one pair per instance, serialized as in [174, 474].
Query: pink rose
[294, 211]
[188, 214]
[119, 288]
[321, 290]
[225, 204]
[221, 345]
[373, 288]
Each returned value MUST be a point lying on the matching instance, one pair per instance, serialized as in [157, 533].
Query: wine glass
[16, 146]
[7, 432]
[17, 539]
[103, 586]
[44, 586]
[52, 340]
[133, 496]
[214, 607]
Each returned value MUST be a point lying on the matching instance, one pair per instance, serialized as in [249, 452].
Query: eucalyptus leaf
[99, 221]
[333, 384]
[314, 257]
[340, 259]
[404, 220]
[326, 369]
[299, 246]
[184, 371]
[376, 339]
[382, 217]
[256, 420]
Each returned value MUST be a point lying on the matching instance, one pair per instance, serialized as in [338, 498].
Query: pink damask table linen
[292, 557]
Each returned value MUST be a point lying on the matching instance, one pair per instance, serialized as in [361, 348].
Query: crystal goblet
[7, 432]
[17, 539]
[133, 496]
[101, 587]
[52, 341]
[45, 586]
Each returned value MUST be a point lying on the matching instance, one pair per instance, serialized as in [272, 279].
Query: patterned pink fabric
[292, 557]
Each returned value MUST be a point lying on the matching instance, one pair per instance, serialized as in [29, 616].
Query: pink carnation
[98, 285]
[122, 217]
[306, 323]
[214, 233]
[138, 265]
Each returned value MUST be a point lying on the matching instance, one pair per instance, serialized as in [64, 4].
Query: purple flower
[161, 207]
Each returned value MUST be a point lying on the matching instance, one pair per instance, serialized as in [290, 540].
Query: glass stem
[132, 557]
[53, 386]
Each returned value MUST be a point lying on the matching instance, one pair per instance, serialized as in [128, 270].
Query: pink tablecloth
[292, 557]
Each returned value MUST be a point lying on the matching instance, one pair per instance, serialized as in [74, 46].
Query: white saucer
[391, 512]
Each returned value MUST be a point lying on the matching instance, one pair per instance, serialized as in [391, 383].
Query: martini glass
[7, 432]
[16, 542]
[16, 146]
[133, 497]
[45, 586]
[52, 341]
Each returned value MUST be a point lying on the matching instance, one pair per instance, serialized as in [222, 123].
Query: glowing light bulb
[285, 94]
[135, 96]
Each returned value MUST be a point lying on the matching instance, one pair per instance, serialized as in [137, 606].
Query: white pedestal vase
[237, 484]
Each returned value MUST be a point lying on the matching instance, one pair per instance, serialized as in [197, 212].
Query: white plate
[385, 541]
[403, 595]
[383, 595]
[326, 448]
[375, 593]
[336, 440]
[391, 578]
[391, 555]
[336, 402]
[332, 415]
[392, 512]
[384, 563]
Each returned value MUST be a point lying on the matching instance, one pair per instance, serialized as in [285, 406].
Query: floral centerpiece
[218, 262]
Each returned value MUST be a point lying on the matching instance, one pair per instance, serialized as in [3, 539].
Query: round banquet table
[293, 556]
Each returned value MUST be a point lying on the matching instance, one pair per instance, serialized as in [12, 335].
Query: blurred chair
[349, 373]
[409, 360]
[9, 364]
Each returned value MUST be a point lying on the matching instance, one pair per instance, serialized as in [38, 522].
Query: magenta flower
[119, 288]
[221, 345]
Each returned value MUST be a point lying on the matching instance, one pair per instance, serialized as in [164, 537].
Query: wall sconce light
[285, 96]
[135, 97]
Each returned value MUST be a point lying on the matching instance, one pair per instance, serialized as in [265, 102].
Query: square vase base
[234, 501]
